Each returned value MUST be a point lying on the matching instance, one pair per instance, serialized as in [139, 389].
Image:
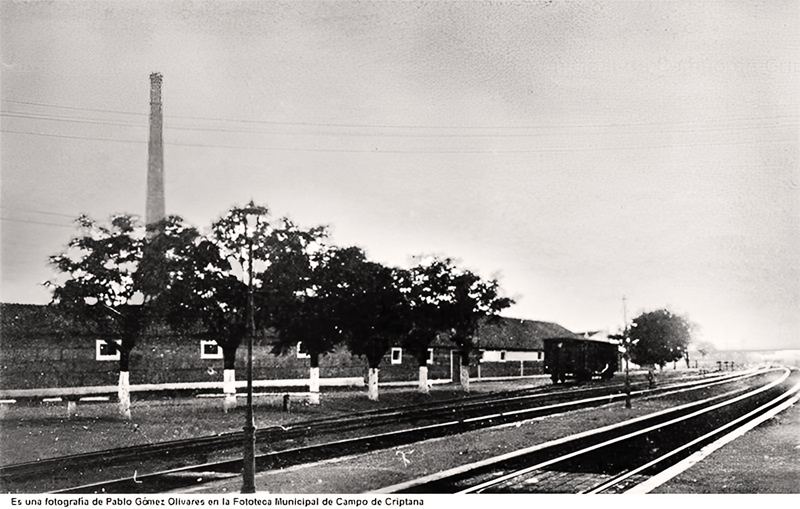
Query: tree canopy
[472, 302]
[659, 337]
[426, 287]
[121, 277]
[371, 307]
[309, 308]
[443, 298]
[96, 280]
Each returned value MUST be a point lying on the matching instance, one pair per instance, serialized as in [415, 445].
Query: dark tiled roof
[25, 321]
[33, 320]
[514, 334]
[22, 322]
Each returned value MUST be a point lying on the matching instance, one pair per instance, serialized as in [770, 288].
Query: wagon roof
[596, 336]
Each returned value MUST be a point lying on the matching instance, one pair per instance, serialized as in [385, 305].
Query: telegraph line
[73, 107]
[378, 151]
[37, 116]
[402, 126]
[37, 212]
[71, 226]
[71, 137]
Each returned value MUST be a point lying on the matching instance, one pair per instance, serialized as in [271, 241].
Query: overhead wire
[30, 211]
[404, 126]
[710, 128]
[379, 151]
[36, 222]
[37, 116]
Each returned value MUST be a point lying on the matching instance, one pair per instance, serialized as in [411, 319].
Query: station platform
[765, 460]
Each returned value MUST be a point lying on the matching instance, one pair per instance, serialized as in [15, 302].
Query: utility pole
[625, 343]
[626, 338]
[624, 312]
[249, 454]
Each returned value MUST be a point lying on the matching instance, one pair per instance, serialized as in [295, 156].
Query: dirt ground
[39, 431]
[769, 453]
[767, 462]
[368, 472]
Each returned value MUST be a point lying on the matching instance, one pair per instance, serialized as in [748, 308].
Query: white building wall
[511, 355]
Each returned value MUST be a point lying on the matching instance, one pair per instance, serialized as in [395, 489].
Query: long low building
[41, 349]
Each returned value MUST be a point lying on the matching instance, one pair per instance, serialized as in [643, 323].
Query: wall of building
[39, 349]
[510, 368]
[71, 362]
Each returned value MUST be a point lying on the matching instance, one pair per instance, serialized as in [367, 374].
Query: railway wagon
[580, 359]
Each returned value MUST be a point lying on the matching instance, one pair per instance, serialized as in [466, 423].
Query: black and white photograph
[370, 253]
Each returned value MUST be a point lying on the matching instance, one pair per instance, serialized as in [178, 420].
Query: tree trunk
[464, 371]
[124, 389]
[229, 379]
[465, 378]
[124, 395]
[313, 379]
[229, 389]
[424, 388]
[72, 408]
[372, 384]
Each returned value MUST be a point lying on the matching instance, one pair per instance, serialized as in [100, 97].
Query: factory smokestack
[155, 156]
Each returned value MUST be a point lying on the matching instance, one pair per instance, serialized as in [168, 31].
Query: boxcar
[580, 359]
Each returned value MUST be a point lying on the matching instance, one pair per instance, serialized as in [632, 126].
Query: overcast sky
[580, 151]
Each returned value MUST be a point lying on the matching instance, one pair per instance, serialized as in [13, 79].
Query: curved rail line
[449, 421]
[439, 418]
[292, 433]
[614, 458]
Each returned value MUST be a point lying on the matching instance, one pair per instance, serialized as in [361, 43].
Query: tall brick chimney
[155, 156]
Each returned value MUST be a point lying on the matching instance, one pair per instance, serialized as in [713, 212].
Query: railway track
[633, 456]
[400, 426]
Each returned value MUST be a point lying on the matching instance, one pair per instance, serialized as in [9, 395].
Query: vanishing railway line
[632, 456]
[362, 432]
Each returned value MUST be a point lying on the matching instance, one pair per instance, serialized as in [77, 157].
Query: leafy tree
[205, 293]
[308, 304]
[472, 302]
[427, 286]
[221, 272]
[238, 242]
[370, 309]
[109, 275]
[660, 337]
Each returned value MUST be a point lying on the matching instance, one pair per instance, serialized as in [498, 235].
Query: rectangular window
[502, 355]
[106, 352]
[210, 350]
[430, 356]
[397, 355]
[301, 351]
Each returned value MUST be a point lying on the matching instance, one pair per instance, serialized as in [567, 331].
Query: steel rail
[270, 434]
[316, 427]
[483, 486]
[736, 423]
[282, 434]
[672, 471]
[185, 476]
[660, 418]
